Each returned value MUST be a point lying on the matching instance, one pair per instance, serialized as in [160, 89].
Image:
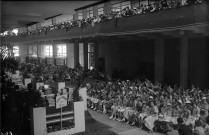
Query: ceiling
[16, 14]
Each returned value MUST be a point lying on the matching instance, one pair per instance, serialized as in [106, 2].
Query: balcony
[163, 20]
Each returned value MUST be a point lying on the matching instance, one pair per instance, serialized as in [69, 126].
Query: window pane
[116, 7]
[100, 11]
[47, 51]
[80, 15]
[61, 50]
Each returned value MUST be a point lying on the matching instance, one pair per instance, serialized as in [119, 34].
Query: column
[85, 14]
[96, 55]
[23, 51]
[54, 52]
[108, 60]
[184, 62]
[76, 53]
[159, 60]
[81, 54]
[95, 10]
[85, 54]
[107, 7]
[70, 55]
[39, 54]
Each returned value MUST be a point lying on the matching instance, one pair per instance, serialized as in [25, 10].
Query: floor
[100, 124]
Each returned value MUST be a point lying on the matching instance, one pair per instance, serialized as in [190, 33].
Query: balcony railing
[153, 21]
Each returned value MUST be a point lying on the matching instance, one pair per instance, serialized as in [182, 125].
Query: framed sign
[61, 101]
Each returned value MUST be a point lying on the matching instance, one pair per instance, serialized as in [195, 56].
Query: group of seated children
[143, 103]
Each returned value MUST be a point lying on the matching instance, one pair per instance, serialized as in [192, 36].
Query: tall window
[32, 50]
[61, 50]
[16, 51]
[47, 50]
[80, 15]
[101, 9]
[90, 12]
[91, 63]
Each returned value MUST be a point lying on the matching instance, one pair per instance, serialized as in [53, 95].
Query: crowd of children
[142, 103]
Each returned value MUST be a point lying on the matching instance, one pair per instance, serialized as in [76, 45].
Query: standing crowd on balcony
[142, 9]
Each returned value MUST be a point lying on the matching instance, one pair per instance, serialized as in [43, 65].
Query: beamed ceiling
[21, 13]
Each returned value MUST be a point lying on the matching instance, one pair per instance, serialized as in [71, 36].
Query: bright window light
[16, 51]
[15, 31]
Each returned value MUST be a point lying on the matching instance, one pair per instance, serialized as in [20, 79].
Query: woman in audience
[133, 97]
[152, 117]
[199, 130]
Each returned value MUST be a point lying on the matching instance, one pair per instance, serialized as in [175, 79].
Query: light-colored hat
[180, 101]
[187, 102]
[169, 104]
[151, 97]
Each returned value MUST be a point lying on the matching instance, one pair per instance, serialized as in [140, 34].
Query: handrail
[58, 120]
[58, 114]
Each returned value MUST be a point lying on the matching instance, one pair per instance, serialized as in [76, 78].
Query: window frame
[48, 54]
[100, 9]
[80, 15]
[61, 54]
[34, 50]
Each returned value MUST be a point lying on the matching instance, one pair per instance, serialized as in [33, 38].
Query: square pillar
[81, 54]
[39, 56]
[84, 14]
[23, 52]
[159, 60]
[96, 55]
[85, 54]
[54, 46]
[108, 60]
[184, 62]
[70, 55]
[95, 10]
[76, 53]
[107, 7]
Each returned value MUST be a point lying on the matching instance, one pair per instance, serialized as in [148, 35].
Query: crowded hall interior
[106, 67]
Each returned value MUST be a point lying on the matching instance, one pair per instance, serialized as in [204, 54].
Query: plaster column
[108, 60]
[96, 55]
[85, 54]
[159, 60]
[95, 10]
[54, 46]
[76, 53]
[23, 51]
[70, 55]
[39, 54]
[81, 54]
[184, 62]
